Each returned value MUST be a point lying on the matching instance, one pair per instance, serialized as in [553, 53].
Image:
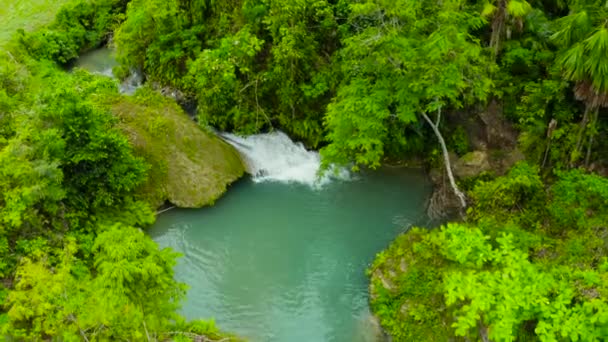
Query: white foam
[129, 85]
[273, 157]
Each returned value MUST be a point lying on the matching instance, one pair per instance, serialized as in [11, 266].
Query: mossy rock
[472, 164]
[406, 291]
[189, 167]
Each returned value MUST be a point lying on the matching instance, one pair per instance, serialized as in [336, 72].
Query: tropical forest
[304, 170]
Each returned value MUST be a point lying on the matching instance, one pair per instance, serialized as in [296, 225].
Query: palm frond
[518, 8]
[596, 48]
[572, 62]
[488, 10]
[573, 28]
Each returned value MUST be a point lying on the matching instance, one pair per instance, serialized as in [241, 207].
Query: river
[282, 256]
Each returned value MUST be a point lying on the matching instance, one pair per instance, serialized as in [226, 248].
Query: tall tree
[504, 15]
[406, 61]
[583, 38]
[130, 295]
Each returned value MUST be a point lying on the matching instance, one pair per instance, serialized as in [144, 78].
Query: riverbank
[82, 168]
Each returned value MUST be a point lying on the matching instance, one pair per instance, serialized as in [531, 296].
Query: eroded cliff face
[189, 167]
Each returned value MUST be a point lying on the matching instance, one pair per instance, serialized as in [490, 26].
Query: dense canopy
[367, 82]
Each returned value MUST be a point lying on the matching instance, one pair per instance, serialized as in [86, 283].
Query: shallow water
[282, 256]
[99, 61]
[277, 261]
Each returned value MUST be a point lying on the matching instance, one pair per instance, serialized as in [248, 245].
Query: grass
[188, 166]
[26, 14]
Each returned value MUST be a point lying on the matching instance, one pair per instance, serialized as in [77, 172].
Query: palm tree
[504, 15]
[583, 37]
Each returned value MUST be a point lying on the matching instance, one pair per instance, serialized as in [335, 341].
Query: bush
[79, 26]
[519, 197]
[579, 200]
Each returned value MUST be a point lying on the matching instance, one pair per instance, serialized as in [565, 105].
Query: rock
[502, 161]
[443, 203]
[499, 133]
[471, 164]
[486, 128]
[387, 284]
[190, 167]
[369, 329]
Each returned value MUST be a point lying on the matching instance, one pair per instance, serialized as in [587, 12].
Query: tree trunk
[483, 332]
[446, 158]
[590, 145]
[550, 129]
[579, 138]
[498, 26]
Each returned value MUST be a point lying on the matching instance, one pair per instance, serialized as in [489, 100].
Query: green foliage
[353, 77]
[517, 197]
[406, 292]
[30, 179]
[130, 293]
[458, 141]
[221, 76]
[425, 61]
[78, 26]
[579, 200]
[67, 162]
[250, 65]
[475, 285]
[68, 211]
[466, 246]
[12, 88]
[583, 37]
[513, 291]
[97, 162]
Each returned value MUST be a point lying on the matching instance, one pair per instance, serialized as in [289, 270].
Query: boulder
[189, 167]
[471, 164]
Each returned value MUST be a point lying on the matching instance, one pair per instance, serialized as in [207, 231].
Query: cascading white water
[273, 157]
[131, 83]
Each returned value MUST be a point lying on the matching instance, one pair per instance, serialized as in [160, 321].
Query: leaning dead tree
[446, 157]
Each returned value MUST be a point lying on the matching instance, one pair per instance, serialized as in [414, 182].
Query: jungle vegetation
[365, 81]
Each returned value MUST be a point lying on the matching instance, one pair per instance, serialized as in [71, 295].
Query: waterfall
[273, 157]
[131, 83]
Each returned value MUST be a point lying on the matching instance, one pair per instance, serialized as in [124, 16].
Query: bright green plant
[413, 61]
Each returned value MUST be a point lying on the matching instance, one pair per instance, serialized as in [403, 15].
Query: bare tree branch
[446, 158]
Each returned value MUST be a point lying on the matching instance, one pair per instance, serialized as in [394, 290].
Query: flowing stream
[102, 61]
[282, 256]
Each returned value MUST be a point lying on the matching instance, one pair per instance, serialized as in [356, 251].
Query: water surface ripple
[286, 262]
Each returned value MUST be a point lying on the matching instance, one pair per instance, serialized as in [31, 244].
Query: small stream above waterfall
[282, 256]
[102, 61]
